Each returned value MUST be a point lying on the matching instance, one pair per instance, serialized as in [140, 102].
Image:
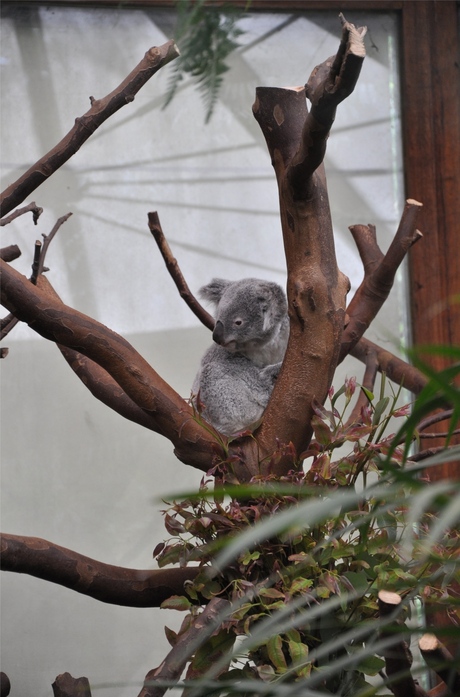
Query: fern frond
[206, 37]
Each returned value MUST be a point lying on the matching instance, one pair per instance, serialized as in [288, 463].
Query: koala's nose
[218, 333]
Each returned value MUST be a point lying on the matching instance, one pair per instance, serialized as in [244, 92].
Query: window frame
[430, 99]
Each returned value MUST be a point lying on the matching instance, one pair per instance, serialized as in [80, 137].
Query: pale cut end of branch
[428, 642]
[389, 599]
[356, 37]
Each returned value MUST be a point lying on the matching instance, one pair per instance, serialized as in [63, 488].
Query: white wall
[72, 471]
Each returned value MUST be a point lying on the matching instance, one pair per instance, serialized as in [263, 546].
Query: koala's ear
[274, 307]
[214, 290]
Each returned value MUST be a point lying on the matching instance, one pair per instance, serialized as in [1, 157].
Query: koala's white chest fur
[237, 373]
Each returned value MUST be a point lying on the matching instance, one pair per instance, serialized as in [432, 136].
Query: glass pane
[73, 472]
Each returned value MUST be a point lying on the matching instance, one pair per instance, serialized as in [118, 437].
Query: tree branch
[202, 627]
[441, 661]
[31, 207]
[100, 111]
[329, 84]
[379, 273]
[176, 274]
[67, 686]
[395, 368]
[115, 585]
[170, 414]
[10, 253]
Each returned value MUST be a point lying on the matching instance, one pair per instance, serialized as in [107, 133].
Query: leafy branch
[207, 36]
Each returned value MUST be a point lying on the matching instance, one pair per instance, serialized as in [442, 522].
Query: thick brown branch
[67, 686]
[10, 253]
[5, 685]
[395, 368]
[378, 275]
[176, 274]
[101, 110]
[439, 659]
[109, 584]
[316, 289]
[188, 642]
[97, 380]
[329, 84]
[173, 417]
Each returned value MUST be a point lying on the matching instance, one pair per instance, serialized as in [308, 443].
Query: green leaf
[379, 409]
[271, 593]
[275, 653]
[209, 654]
[370, 665]
[176, 602]
[298, 651]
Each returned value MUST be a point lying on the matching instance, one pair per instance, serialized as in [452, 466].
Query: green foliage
[302, 557]
[206, 36]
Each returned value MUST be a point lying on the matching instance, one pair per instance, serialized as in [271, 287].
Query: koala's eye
[238, 322]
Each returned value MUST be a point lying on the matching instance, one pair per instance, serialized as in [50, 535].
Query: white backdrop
[72, 471]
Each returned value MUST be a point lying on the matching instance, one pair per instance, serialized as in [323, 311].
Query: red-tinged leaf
[171, 636]
[323, 433]
[325, 466]
[170, 555]
[223, 520]
[173, 526]
[205, 521]
[176, 602]
[356, 432]
[159, 548]
[330, 582]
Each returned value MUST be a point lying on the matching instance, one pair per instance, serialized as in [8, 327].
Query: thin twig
[370, 374]
[31, 207]
[9, 322]
[47, 239]
[176, 274]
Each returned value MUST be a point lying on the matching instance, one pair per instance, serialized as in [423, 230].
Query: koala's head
[249, 313]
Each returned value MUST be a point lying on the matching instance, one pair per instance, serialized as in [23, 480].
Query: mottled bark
[169, 413]
[108, 584]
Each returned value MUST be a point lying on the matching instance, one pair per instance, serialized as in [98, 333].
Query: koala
[238, 371]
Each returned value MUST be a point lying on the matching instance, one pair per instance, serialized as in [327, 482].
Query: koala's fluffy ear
[275, 307]
[213, 291]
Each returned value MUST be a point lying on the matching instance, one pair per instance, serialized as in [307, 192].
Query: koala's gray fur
[238, 372]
